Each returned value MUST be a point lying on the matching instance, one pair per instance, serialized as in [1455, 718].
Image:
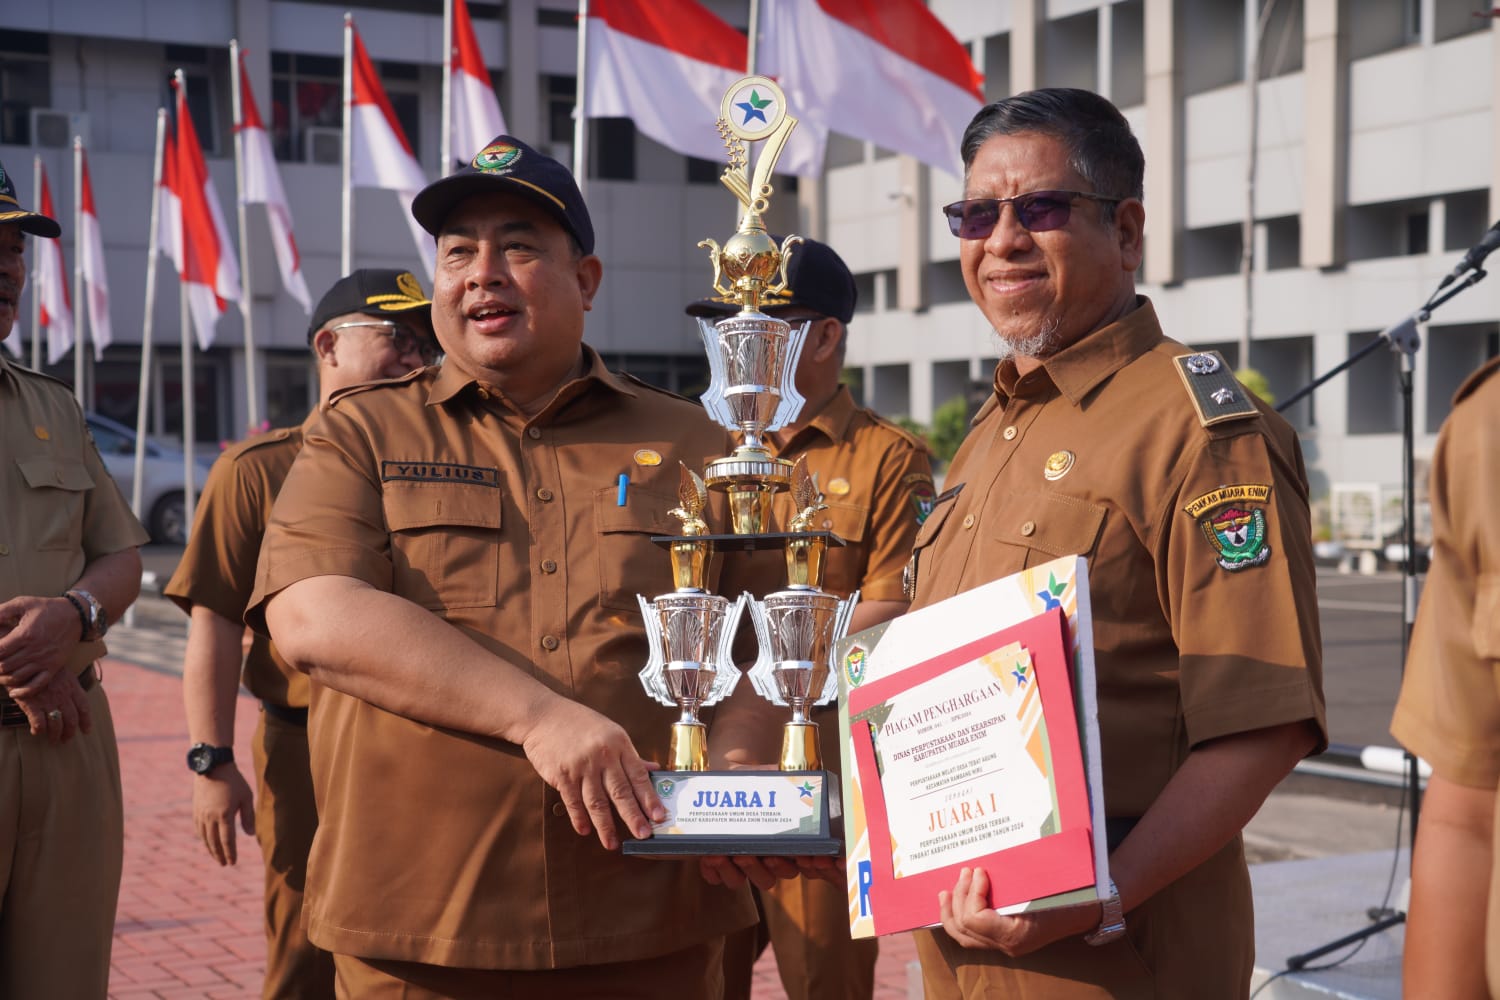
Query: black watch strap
[204, 757]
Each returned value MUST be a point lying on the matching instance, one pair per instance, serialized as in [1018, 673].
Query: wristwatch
[90, 613]
[1111, 923]
[204, 757]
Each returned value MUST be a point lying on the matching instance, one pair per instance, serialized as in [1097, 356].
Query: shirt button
[1029, 528]
[549, 566]
[533, 432]
[544, 494]
[558, 809]
[4, 549]
[1010, 433]
[969, 521]
[484, 393]
[549, 642]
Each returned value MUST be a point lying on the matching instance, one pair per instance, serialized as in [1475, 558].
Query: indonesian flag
[91, 256]
[476, 110]
[169, 221]
[209, 271]
[382, 156]
[885, 71]
[52, 286]
[263, 186]
[666, 64]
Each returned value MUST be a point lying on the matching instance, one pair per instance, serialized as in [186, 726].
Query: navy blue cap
[817, 280]
[507, 164]
[374, 291]
[11, 211]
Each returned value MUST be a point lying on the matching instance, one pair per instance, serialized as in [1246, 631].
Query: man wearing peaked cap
[372, 324]
[454, 564]
[69, 566]
[876, 479]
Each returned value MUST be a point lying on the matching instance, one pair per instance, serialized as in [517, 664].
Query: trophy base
[760, 813]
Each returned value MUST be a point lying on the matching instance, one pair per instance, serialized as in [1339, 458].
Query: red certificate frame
[1056, 863]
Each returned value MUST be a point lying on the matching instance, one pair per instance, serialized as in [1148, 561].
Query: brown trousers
[806, 923]
[286, 818]
[691, 974]
[62, 835]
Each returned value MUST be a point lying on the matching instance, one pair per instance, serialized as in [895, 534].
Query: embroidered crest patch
[1233, 519]
[923, 498]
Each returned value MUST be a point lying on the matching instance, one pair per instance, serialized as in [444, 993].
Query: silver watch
[1111, 923]
[95, 621]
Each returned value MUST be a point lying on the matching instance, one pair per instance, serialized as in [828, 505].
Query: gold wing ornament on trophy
[692, 494]
[806, 497]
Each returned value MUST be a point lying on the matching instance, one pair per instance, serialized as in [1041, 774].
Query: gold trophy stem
[799, 747]
[689, 747]
[750, 509]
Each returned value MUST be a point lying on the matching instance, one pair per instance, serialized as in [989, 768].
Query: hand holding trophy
[753, 360]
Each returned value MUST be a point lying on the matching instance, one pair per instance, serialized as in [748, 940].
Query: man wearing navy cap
[69, 566]
[374, 323]
[876, 479]
[454, 564]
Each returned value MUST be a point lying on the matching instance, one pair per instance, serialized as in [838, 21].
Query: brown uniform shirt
[444, 847]
[217, 569]
[1449, 709]
[61, 508]
[1101, 453]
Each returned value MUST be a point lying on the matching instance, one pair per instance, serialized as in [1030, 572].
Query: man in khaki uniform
[69, 566]
[372, 324]
[453, 563]
[877, 481]
[1189, 499]
[1449, 711]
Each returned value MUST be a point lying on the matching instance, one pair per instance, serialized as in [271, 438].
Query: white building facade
[1377, 163]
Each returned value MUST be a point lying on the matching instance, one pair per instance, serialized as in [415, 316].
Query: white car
[163, 508]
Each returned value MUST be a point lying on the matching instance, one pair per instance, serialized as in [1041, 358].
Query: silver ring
[55, 715]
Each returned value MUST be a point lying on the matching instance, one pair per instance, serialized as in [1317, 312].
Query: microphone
[1476, 255]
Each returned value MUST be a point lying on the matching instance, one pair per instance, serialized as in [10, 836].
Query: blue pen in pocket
[624, 481]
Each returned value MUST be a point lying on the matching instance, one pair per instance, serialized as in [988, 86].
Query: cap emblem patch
[496, 157]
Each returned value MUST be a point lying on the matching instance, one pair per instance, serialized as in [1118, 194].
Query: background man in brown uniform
[1107, 440]
[68, 567]
[877, 481]
[452, 562]
[1449, 710]
[372, 324]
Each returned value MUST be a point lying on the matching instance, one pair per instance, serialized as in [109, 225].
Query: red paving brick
[186, 927]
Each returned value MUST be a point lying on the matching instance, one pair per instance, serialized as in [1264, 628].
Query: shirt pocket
[844, 564]
[62, 485]
[920, 563]
[1048, 525]
[629, 562]
[445, 543]
[1485, 628]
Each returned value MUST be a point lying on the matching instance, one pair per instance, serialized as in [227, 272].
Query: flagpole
[346, 255]
[189, 430]
[580, 121]
[36, 272]
[754, 31]
[80, 391]
[446, 162]
[236, 100]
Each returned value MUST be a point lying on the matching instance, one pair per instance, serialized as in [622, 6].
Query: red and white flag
[209, 271]
[476, 110]
[263, 187]
[666, 64]
[382, 158]
[169, 221]
[52, 286]
[885, 71]
[91, 256]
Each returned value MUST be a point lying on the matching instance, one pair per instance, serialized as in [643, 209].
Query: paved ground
[188, 928]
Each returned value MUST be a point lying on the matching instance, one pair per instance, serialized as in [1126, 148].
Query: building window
[559, 94]
[701, 171]
[613, 149]
[307, 107]
[1417, 230]
[25, 83]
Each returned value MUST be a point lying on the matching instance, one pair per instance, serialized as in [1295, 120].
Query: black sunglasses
[1036, 211]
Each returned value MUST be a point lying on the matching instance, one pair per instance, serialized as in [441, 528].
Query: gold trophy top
[690, 556]
[804, 556]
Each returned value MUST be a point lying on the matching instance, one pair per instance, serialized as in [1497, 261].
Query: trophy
[752, 391]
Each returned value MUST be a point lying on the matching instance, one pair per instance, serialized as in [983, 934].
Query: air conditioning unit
[322, 144]
[52, 129]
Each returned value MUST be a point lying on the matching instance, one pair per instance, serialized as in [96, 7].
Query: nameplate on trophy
[741, 812]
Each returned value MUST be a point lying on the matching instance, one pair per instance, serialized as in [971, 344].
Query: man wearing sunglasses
[876, 479]
[372, 324]
[1189, 499]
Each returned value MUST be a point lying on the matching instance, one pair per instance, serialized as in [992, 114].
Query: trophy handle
[651, 673]
[762, 675]
[791, 399]
[841, 621]
[713, 397]
[727, 672]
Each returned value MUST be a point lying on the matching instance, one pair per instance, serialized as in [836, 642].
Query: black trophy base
[689, 845]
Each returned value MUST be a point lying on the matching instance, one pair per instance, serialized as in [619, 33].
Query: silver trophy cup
[690, 665]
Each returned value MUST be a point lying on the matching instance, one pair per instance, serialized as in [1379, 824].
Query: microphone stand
[1404, 339]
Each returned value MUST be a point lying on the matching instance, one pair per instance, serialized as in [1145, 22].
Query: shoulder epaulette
[17, 366]
[1475, 380]
[910, 437]
[1216, 394]
[379, 383]
[637, 380]
[276, 435]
